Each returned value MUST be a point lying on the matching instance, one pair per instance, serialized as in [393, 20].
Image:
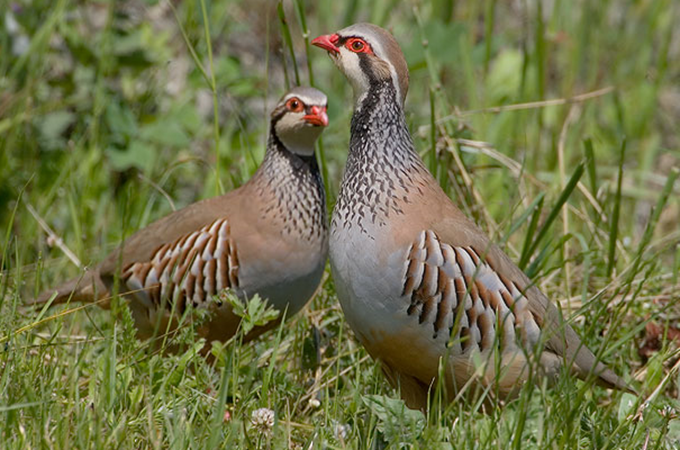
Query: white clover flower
[262, 420]
[341, 431]
[668, 412]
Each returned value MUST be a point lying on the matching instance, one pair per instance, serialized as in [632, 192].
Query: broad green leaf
[400, 425]
[138, 155]
[253, 311]
[166, 133]
[52, 127]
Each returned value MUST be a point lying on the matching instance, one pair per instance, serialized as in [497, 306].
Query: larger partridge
[418, 281]
[269, 237]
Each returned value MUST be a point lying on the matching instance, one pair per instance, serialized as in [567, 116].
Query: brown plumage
[418, 281]
[268, 237]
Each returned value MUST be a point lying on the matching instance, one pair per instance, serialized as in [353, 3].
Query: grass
[112, 114]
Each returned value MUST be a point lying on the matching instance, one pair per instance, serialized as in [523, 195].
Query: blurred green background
[112, 114]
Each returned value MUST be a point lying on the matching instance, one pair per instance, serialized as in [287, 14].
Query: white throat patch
[296, 135]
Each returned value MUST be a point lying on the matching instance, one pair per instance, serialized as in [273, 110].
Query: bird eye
[356, 45]
[294, 105]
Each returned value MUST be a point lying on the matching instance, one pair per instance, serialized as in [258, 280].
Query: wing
[145, 250]
[479, 299]
[145, 243]
[458, 294]
[194, 267]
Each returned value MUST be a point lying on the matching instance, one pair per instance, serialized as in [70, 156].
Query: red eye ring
[295, 105]
[357, 45]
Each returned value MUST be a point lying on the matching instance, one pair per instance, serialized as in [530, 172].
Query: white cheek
[348, 62]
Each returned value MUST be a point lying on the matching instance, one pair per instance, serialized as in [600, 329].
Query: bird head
[367, 54]
[299, 118]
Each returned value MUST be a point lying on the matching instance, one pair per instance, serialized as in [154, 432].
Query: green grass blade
[302, 19]
[562, 199]
[489, 18]
[288, 40]
[590, 165]
[531, 210]
[219, 189]
[614, 224]
[531, 232]
[654, 220]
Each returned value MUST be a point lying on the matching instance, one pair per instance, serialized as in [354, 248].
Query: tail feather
[608, 379]
[588, 365]
[85, 289]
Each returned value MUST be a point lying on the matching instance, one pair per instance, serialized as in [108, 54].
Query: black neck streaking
[293, 186]
[380, 164]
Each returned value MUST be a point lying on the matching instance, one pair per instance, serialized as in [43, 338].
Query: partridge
[268, 237]
[418, 281]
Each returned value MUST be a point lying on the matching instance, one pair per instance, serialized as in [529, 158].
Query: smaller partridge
[268, 237]
[419, 283]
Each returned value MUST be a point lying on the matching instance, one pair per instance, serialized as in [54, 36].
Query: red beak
[318, 116]
[327, 42]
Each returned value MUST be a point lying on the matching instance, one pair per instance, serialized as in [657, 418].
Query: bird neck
[378, 130]
[292, 191]
[298, 142]
[382, 166]
[278, 153]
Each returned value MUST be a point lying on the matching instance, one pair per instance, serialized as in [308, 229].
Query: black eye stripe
[343, 40]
